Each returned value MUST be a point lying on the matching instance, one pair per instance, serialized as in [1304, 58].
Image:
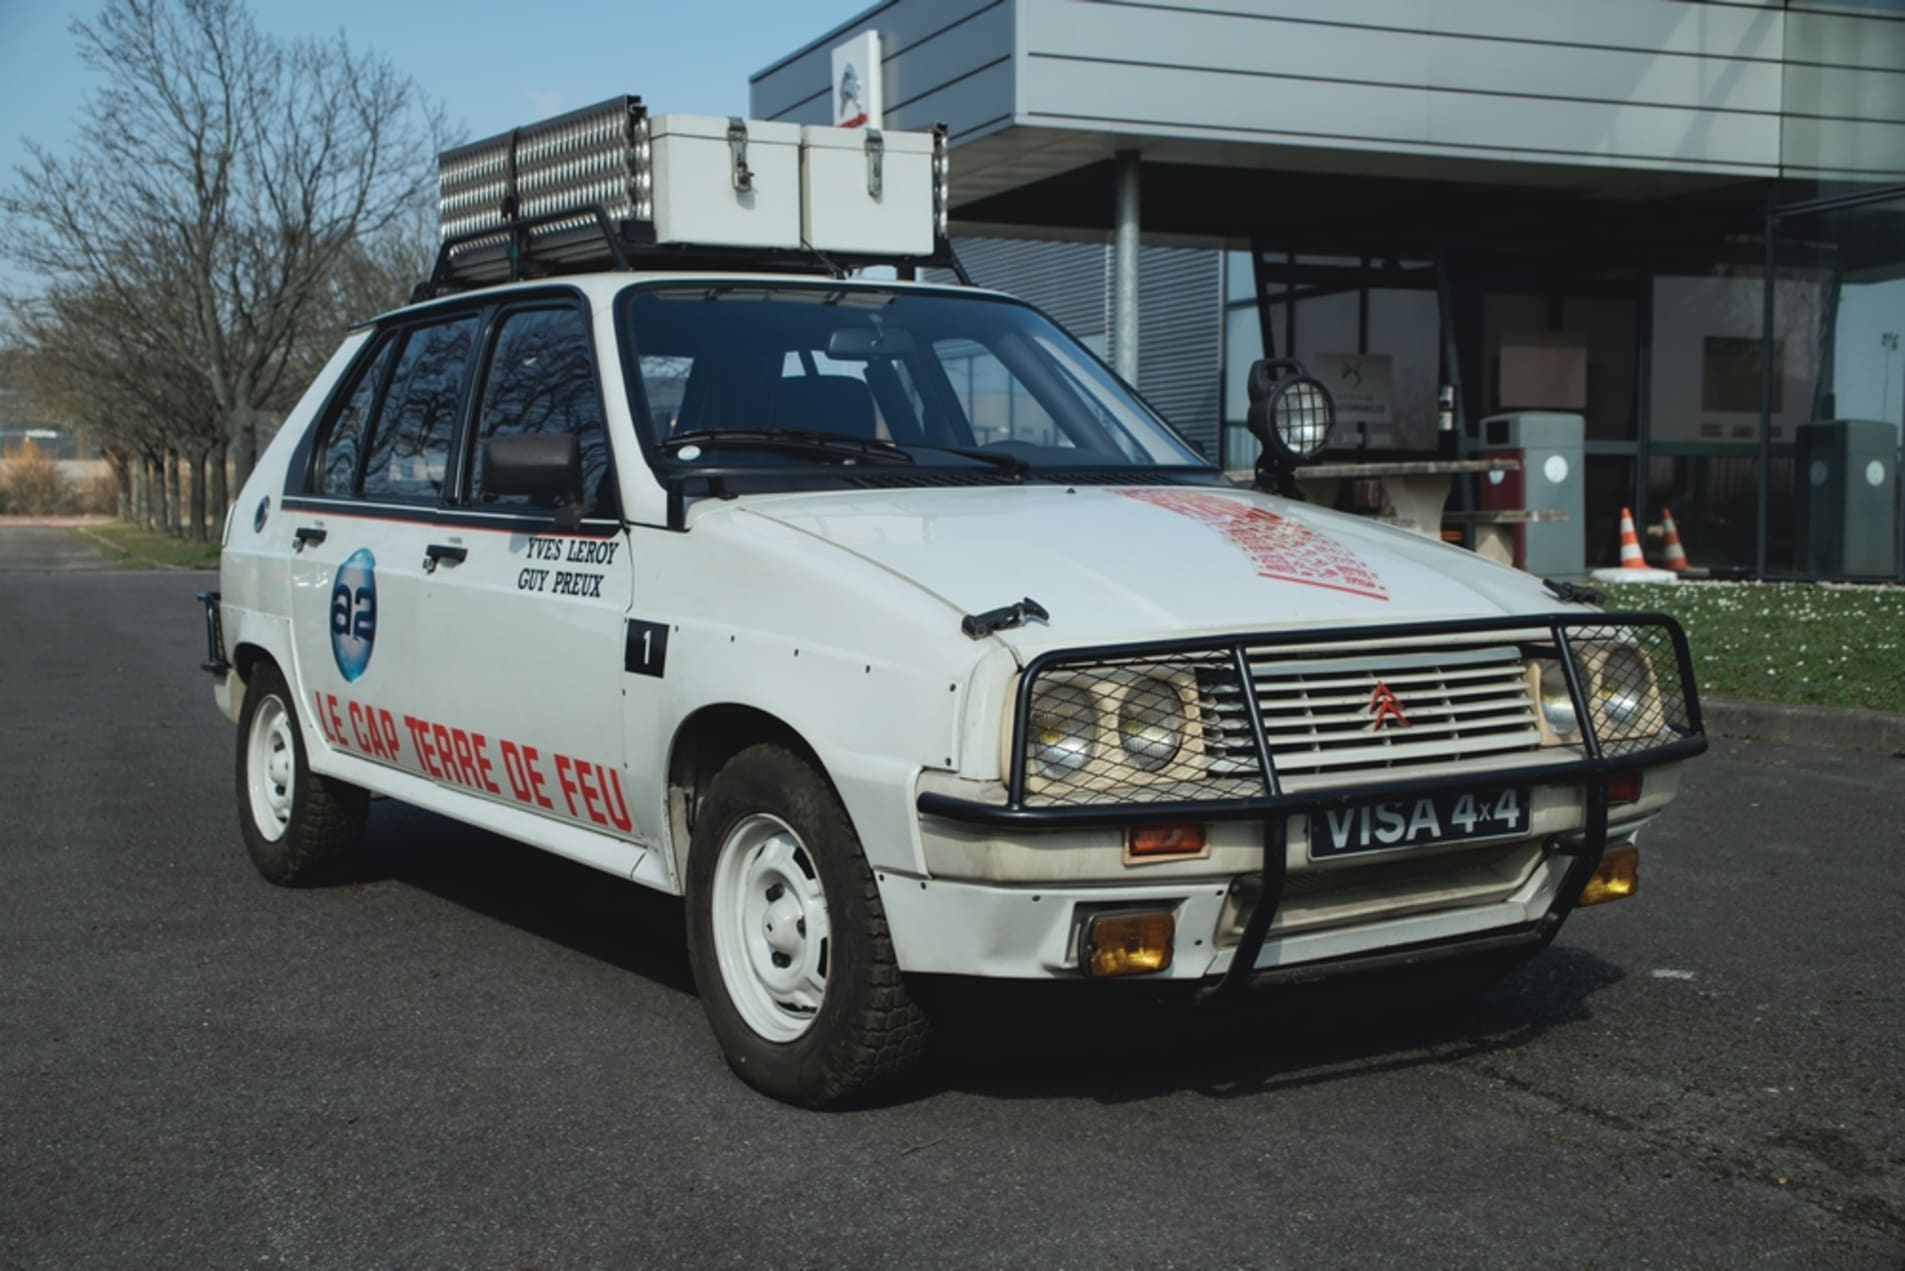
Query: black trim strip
[541, 524]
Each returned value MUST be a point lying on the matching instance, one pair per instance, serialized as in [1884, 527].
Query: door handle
[308, 536]
[437, 553]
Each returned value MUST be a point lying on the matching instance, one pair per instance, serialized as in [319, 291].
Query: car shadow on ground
[1098, 1042]
[555, 899]
[1107, 1042]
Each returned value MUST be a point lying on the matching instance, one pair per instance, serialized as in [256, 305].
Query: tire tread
[321, 842]
[845, 1058]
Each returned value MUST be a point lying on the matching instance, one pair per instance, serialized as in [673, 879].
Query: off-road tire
[319, 841]
[868, 1030]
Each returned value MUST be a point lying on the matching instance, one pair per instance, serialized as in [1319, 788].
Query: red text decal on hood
[1282, 548]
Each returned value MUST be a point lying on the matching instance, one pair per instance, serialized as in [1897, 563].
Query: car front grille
[1334, 717]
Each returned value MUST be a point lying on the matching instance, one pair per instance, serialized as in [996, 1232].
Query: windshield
[816, 374]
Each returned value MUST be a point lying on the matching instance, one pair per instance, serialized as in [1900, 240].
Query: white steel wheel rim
[270, 768]
[772, 937]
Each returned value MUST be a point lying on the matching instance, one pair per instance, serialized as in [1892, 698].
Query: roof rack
[610, 187]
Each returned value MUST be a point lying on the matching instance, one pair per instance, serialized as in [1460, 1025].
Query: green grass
[1804, 643]
[142, 549]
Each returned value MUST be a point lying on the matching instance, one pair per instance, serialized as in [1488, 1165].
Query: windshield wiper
[792, 441]
[997, 458]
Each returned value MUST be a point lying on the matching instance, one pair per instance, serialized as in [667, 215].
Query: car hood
[1113, 564]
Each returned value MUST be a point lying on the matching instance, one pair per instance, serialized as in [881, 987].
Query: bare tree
[222, 182]
[75, 358]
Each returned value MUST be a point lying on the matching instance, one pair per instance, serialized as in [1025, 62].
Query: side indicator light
[1128, 944]
[1166, 840]
[1623, 787]
[1616, 878]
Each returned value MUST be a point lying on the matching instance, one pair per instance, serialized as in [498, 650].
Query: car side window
[336, 467]
[410, 447]
[541, 380]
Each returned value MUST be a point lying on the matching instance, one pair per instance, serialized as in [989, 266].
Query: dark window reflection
[541, 381]
[412, 440]
[337, 464]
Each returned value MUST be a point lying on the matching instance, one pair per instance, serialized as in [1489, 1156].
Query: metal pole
[1766, 347]
[1124, 271]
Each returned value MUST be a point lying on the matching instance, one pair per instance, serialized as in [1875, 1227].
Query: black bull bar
[1677, 734]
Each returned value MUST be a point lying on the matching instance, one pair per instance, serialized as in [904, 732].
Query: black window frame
[454, 503]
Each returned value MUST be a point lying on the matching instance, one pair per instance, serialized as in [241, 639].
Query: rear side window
[541, 380]
[410, 447]
[337, 466]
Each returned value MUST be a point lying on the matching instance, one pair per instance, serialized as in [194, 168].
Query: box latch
[876, 162]
[737, 150]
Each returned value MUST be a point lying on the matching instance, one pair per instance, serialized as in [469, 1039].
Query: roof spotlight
[1290, 413]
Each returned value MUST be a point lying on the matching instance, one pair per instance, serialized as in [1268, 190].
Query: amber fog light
[1616, 878]
[1166, 840]
[1128, 944]
[1623, 787]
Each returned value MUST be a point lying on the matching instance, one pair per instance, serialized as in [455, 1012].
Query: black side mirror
[547, 467]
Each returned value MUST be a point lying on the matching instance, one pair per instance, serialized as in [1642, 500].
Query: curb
[1836, 728]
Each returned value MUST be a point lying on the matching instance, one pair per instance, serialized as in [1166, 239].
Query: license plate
[1392, 824]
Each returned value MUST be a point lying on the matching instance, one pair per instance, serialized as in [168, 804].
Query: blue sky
[493, 65]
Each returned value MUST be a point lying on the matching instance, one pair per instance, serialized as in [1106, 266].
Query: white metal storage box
[735, 183]
[863, 190]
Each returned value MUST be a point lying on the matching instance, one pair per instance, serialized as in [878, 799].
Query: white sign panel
[856, 82]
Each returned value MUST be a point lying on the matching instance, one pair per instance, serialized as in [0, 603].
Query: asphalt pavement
[478, 1055]
[27, 547]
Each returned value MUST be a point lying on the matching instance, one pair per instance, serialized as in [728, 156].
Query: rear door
[371, 489]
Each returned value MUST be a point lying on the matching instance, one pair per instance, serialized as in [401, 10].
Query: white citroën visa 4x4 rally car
[886, 626]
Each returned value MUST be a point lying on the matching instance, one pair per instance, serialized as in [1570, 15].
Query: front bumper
[1230, 951]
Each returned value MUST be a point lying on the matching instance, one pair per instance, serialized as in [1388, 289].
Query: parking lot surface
[28, 548]
[481, 1055]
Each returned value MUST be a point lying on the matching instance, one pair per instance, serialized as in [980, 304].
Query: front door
[525, 606]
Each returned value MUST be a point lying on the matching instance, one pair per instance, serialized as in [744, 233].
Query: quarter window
[410, 449]
[337, 469]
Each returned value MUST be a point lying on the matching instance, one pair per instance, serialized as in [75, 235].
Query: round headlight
[1151, 724]
[1557, 705]
[1623, 690]
[1063, 725]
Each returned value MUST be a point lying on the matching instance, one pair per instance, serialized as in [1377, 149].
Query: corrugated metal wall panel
[1180, 339]
[1067, 280]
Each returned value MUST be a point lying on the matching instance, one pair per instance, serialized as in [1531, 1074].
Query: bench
[1494, 530]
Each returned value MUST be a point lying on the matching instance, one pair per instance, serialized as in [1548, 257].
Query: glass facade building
[1681, 220]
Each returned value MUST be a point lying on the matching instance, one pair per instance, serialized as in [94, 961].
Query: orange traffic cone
[1630, 543]
[1676, 554]
[1633, 567]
